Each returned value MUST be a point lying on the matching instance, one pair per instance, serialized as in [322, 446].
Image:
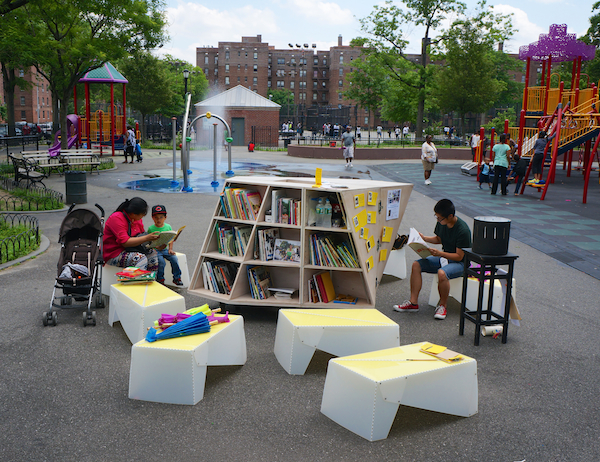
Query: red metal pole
[100, 116]
[588, 170]
[87, 115]
[554, 152]
[505, 125]
[124, 128]
[112, 119]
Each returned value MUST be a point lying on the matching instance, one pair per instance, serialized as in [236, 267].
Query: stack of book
[282, 293]
[133, 275]
[320, 288]
[259, 279]
[233, 240]
[286, 210]
[323, 252]
[218, 276]
[240, 204]
[265, 243]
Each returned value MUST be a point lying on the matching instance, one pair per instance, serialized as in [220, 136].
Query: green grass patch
[24, 244]
[29, 201]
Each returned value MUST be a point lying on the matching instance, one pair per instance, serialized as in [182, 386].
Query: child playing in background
[159, 215]
[519, 171]
[486, 171]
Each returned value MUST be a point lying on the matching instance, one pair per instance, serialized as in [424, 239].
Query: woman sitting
[123, 234]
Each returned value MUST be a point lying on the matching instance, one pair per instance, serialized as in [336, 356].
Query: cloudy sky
[196, 23]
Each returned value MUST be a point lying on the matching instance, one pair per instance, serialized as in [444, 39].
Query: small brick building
[251, 117]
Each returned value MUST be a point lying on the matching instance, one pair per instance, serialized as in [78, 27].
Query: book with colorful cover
[287, 250]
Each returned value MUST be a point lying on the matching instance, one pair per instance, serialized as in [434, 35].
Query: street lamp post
[186, 76]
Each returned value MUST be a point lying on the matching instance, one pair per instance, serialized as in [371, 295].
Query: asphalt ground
[64, 389]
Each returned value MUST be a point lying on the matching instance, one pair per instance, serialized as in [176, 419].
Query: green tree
[16, 43]
[593, 33]
[467, 82]
[386, 38]
[285, 98]
[197, 85]
[78, 35]
[148, 88]
[6, 6]
[498, 121]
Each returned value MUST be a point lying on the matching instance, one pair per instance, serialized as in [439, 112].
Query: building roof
[238, 97]
[104, 74]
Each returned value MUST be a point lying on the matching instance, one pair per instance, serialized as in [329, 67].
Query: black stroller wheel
[45, 318]
[54, 318]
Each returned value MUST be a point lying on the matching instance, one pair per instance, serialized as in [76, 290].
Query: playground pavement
[65, 388]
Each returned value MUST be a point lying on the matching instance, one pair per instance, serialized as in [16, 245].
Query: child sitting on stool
[159, 215]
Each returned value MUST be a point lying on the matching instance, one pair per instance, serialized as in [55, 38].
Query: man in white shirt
[474, 143]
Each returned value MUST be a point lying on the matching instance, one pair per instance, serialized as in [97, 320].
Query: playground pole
[174, 181]
[554, 152]
[214, 182]
[184, 142]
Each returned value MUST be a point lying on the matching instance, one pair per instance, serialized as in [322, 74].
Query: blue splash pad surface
[202, 176]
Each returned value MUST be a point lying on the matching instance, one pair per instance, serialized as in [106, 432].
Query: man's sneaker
[427, 182]
[407, 306]
[177, 282]
[161, 281]
[440, 312]
[350, 165]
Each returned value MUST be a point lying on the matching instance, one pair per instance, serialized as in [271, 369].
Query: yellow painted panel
[333, 317]
[148, 294]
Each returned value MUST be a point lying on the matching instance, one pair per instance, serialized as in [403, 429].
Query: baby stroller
[79, 266]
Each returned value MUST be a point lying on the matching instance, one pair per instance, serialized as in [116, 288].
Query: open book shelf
[354, 254]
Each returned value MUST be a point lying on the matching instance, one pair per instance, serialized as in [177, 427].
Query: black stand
[488, 263]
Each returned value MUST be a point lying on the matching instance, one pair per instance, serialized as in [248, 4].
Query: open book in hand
[165, 238]
[416, 242]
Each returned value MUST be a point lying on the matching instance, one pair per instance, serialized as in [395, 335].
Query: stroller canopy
[81, 220]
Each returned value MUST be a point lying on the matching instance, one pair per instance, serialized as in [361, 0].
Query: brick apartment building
[33, 106]
[316, 78]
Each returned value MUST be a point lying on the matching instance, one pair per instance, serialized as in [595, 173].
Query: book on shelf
[287, 250]
[165, 238]
[324, 287]
[265, 243]
[282, 293]
[347, 299]
[233, 240]
[285, 210]
[239, 203]
[416, 242]
[313, 294]
[324, 252]
[218, 276]
[259, 279]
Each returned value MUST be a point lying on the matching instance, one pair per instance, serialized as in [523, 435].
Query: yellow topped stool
[336, 331]
[363, 392]
[174, 370]
[137, 306]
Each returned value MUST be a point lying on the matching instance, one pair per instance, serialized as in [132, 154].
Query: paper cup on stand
[491, 330]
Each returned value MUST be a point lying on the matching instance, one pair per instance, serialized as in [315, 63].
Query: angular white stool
[137, 306]
[339, 332]
[185, 274]
[363, 392]
[396, 264]
[109, 277]
[174, 370]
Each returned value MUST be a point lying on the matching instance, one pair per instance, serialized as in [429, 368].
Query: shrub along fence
[34, 198]
[19, 235]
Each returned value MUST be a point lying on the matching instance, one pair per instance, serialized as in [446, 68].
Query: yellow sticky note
[383, 255]
[370, 243]
[372, 198]
[359, 220]
[318, 175]
[359, 200]
[364, 232]
[372, 218]
[369, 263]
[386, 234]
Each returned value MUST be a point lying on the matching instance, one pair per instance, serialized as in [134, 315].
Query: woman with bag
[428, 157]
[124, 237]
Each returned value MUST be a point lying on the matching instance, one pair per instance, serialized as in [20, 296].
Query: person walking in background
[405, 131]
[428, 157]
[379, 131]
[519, 171]
[348, 145]
[358, 132]
[501, 163]
[474, 143]
[129, 144]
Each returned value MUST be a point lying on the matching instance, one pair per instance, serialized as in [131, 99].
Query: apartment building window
[324, 62]
[227, 80]
[324, 84]
[324, 74]
[227, 55]
[281, 61]
[268, 84]
[302, 72]
[340, 83]
[302, 85]
[21, 73]
[22, 101]
[255, 80]
[226, 67]
[341, 59]
[522, 79]
[315, 61]
[340, 96]
[255, 69]
[315, 96]
[239, 53]
[216, 60]
[245, 67]
[269, 73]
[206, 71]
[293, 60]
[246, 79]
[341, 72]
[270, 59]
[315, 74]
[255, 55]
[292, 85]
[280, 73]
[324, 97]
[315, 84]
[280, 84]
[239, 67]
[206, 59]
[43, 114]
[23, 115]
[216, 71]
[238, 80]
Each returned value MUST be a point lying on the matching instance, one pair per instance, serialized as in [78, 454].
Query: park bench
[77, 158]
[44, 163]
[26, 169]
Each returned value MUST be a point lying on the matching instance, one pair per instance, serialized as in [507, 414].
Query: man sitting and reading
[454, 235]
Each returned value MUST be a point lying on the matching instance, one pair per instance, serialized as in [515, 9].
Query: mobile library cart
[256, 217]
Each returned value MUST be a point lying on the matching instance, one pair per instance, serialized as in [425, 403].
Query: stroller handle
[101, 209]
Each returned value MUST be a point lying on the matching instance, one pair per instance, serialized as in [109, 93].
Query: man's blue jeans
[162, 256]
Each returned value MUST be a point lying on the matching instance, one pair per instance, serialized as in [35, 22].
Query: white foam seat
[137, 306]
[339, 332]
[363, 392]
[396, 264]
[185, 274]
[174, 370]
[109, 277]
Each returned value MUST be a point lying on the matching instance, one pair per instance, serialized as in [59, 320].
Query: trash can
[286, 142]
[76, 187]
[491, 235]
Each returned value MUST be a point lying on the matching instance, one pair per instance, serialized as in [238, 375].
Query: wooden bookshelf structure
[369, 210]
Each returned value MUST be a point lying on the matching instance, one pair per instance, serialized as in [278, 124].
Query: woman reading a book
[124, 237]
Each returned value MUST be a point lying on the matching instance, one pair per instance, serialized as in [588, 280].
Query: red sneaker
[407, 306]
[440, 312]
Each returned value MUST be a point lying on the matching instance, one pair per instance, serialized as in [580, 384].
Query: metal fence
[11, 144]
[18, 245]
[44, 199]
[263, 136]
